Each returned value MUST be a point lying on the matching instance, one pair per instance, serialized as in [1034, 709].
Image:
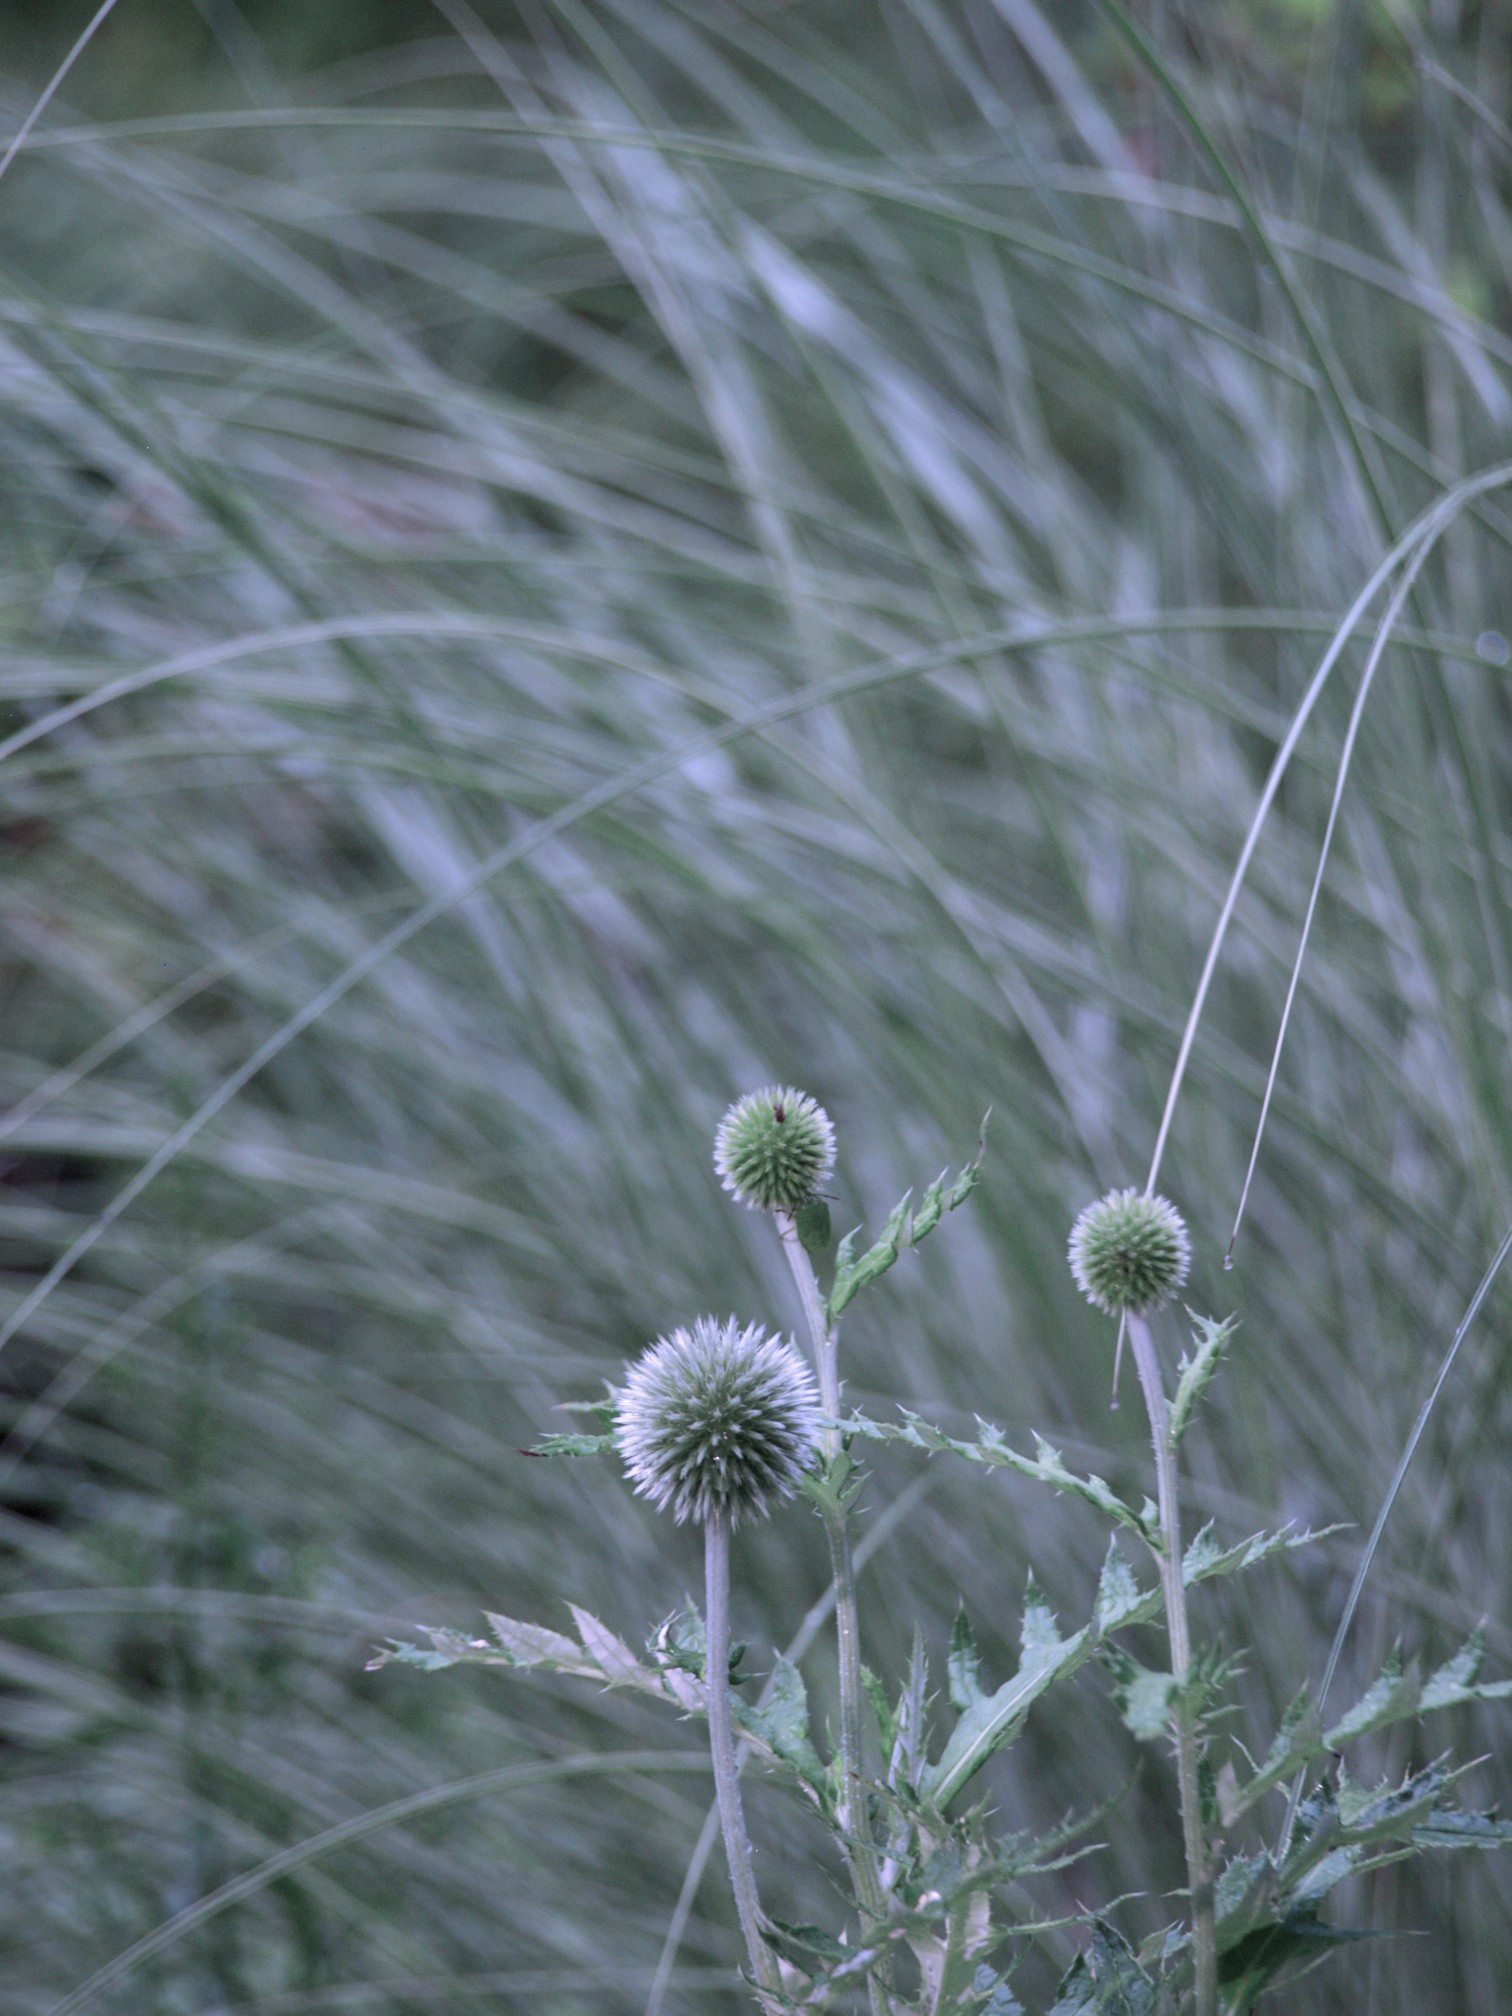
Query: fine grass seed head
[774, 1148]
[1129, 1252]
[717, 1422]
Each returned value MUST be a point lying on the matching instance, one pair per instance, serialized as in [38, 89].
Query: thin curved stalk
[1404, 1462]
[861, 1853]
[1199, 1874]
[797, 1645]
[722, 1752]
[1423, 528]
[1384, 631]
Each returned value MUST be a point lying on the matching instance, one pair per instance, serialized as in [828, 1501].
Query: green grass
[842, 511]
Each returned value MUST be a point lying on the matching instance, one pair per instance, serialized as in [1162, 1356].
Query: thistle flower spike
[1129, 1252]
[774, 1148]
[717, 1422]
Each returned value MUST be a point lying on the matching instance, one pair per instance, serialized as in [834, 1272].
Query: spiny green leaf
[901, 1229]
[994, 1720]
[881, 1708]
[1450, 1828]
[965, 1687]
[1105, 1980]
[1120, 1600]
[1453, 1683]
[1298, 1739]
[1391, 1697]
[1144, 1698]
[993, 1996]
[782, 1720]
[1204, 1558]
[533, 1644]
[680, 1640]
[1242, 1897]
[1196, 1372]
[573, 1445]
[1247, 1969]
[1039, 1634]
[991, 1450]
[907, 1763]
[802, 1944]
[447, 1648]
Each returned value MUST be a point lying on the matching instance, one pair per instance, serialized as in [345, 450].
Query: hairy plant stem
[861, 1854]
[722, 1751]
[1199, 1874]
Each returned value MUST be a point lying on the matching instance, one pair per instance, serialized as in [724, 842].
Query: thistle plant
[717, 1424]
[720, 1423]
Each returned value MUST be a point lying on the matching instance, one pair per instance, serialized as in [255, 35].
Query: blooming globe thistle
[716, 1422]
[1129, 1252]
[774, 1148]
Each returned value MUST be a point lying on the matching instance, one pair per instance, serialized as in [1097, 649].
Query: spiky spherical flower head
[774, 1148]
[1129, 1251]
[717, 1422]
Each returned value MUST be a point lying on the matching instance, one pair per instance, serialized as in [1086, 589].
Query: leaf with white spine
[994, 1720]
[618, 1663]
[533, 1644]
[1195, 1373]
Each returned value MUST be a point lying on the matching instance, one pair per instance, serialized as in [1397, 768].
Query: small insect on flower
[717, 1422]
[774, 1148]
[1129, 1251]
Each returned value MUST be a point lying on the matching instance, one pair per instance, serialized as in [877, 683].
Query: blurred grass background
[435, 414]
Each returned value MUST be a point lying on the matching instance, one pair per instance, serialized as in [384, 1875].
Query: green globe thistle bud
[1129, 1251]
[774, 1148]
[717, 1422]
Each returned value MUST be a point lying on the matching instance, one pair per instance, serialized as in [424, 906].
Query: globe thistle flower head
[1129, 1251]
[774, 1148]
[717, 1422]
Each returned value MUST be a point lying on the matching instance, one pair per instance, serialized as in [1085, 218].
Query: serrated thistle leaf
[901, 1229]
[1454, 1683]
[994, 1720]
[1242, 1897]
[881, 1708]
[446, 1648]
[1450, 1828]
[993, 1996]
[1119, 1596]
[572, 1445]
[533, 1644]
[782, 1721]
[1144, 1698]
[1298, 1740]
[1391, 1697]
[1247, 1969]
[1039, 1634]
[613, 1656]
[1204, 1558]
[965, 1686]
[681, 1641]
[931, 1206]
[1105, 1980]
[1196, 1373]
[993, 1452]
[907, 1763]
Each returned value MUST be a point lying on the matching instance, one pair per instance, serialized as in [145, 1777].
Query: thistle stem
[1169, 1556]
[854, 1822]
[722, 1751]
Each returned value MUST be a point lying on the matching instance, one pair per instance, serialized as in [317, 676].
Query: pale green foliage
[944, 1875]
